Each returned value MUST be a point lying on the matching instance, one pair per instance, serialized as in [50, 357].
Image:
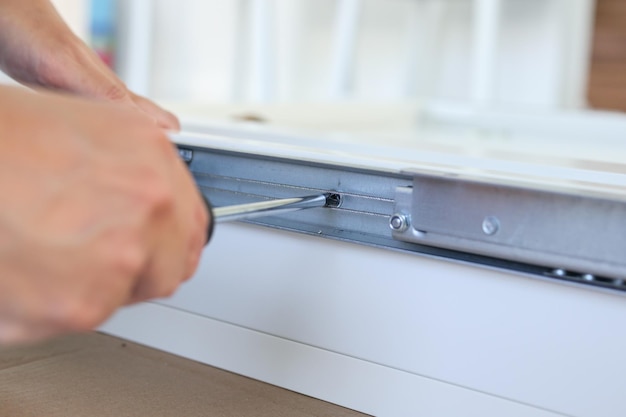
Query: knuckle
[159, 196]
[152, 188]
[128, 261]
[156, 199]
[121, 255]
[116, 92]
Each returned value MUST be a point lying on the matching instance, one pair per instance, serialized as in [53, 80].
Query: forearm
[30, 30]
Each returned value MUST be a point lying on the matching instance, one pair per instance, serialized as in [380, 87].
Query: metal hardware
[551, 234]
[268, 208]
[333, 200]
[358, 208]
[588, 277]
[186, 155]
[399, 222]
[583, 231]
[491, 225]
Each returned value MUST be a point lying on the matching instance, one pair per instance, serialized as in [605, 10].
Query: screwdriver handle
[211, 226]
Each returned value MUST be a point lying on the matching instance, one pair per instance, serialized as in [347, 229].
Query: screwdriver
[268, 208]
[262, 208]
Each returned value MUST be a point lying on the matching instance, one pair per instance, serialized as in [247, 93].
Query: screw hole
[333, 200]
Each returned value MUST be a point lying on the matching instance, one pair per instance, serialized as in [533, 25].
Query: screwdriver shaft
[266, 208]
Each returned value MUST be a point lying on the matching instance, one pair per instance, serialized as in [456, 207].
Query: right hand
[96, 211]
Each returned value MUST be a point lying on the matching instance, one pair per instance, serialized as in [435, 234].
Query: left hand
[37, 48]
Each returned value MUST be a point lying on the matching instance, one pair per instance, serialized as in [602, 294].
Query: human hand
[37, 48]
[96, 211]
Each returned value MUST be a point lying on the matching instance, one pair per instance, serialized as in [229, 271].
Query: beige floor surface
[97, 375]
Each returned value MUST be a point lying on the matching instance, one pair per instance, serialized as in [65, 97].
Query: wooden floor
[607, 80]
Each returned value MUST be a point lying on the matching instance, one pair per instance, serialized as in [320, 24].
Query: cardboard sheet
[97, 375]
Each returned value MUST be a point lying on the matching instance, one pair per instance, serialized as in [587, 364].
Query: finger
[14, 333]
[91, 78]
[194, 215]
[162, 274]
[20, 333]
[200, 218]
[164, 119]
[10, 332]
[166, 243]
[177, 240]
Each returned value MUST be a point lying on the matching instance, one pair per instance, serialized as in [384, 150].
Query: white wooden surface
[391, 334]
[519, 146]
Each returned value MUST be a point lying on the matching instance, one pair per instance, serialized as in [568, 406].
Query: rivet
[491, 225]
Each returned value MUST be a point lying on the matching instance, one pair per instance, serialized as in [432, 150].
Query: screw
[491, 225]
[399, 222]
[333, 200]
[559, 272]
[186, 155]
[588, 277]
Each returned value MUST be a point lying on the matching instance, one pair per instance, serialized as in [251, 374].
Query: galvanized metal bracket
[583, 233]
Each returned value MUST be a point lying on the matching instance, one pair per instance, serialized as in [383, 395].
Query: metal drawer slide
[551, 233]
[552, 227]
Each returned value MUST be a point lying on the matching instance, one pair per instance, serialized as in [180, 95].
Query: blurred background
[536, 56]
[547, 53]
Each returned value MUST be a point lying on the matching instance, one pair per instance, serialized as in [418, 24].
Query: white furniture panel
[542, 344]
[337, 378]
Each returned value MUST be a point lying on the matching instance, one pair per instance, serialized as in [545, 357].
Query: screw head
[186, 155]
[399, 222]
[491, 225]
[588, 277]
[333, 200]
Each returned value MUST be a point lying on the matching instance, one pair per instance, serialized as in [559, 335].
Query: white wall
[206, 50]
